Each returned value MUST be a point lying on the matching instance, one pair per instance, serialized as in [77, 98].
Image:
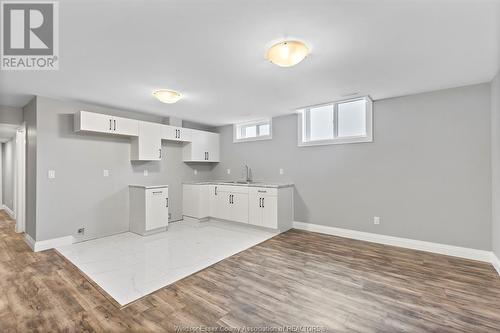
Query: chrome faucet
[248, 173]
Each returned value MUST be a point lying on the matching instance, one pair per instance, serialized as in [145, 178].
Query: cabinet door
[212, 198]
[156, 208]
[183, 134]
[239, 207]
[212, 147]
[125, 126]
[255, 208]
[147, 147]
[93, 122]
[198, 146]
[269, 211]
[223, 206]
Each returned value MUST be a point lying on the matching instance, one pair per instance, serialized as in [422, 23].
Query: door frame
[20, 179]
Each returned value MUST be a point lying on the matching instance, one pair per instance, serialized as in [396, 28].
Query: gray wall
[427, 173]
[495, 163]
[11, 115]
[8, 165]
[80, 196]
[30, 117]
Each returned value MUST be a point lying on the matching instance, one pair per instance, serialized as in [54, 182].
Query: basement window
[346, 121]
[252, 131]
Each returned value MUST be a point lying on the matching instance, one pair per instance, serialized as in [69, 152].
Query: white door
[156, 208]
[212, 200]
[223, 203]
[255, 208]
[269, 211]
[239, 207]
[125, 126]
[198, 146]
[183, 134]
[212, 147]
[95, 122]
[148, 142]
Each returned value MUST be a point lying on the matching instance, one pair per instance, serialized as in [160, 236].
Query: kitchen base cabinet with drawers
[268, 207]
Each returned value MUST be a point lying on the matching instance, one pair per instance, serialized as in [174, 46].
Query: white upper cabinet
[147, 146]
[125, 126]
[100, 123]
[200, 146]
[174, 133]
[204, 147]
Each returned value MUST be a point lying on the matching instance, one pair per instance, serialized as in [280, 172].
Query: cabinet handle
[215, 190]
[167, 202]
[157, 192]
[179, 131]
[262, 202]
[110, 125]
[114, 122]
[160, 152]
[207, 156]
[261, 191]
[230, 198]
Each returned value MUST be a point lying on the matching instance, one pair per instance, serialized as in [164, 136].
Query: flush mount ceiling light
[167, 96]
[287, 53]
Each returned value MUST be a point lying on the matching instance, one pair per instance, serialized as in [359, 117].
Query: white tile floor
[128, 266]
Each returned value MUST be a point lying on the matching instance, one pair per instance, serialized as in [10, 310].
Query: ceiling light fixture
[287, 53]
[167, 96]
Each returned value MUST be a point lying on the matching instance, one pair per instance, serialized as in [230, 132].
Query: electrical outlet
[282, 171]
[228, 171]
[195, 171]
[105, 173]
[81, 231]
[51, 174]
[145, 172]
[376, 220]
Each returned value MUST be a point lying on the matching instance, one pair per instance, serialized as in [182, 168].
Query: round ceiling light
[287, 53]
[167, 96]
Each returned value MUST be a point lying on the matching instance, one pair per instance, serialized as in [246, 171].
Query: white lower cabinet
[264, 207]
[148, 209]
[263, 210]
[232, 203]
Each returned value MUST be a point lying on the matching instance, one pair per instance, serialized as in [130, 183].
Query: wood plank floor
[296, 278]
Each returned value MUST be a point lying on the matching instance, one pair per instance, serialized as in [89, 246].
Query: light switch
[195, 171]
[228, 171]
[145, 172]
[105, 173]
[281, 171]
[52, 174]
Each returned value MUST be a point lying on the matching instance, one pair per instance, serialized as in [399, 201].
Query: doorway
[13, 172]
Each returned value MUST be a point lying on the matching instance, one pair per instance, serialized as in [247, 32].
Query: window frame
[241, 126]
[304, 118]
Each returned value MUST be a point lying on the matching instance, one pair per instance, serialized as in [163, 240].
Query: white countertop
[149, 186]
[235, 183]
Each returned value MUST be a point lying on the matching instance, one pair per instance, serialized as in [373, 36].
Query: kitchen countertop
[233, 183]
[149, 186]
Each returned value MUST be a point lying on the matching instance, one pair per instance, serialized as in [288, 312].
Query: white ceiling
[116, 52]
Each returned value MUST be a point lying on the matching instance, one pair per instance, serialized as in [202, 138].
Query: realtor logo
[30, 36]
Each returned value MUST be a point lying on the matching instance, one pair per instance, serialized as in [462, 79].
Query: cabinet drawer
[232, 189]
[263, 191]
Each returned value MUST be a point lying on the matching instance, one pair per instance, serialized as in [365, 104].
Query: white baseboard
[450, 250]
[495, 262]
[49, 243]
[9, 211]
